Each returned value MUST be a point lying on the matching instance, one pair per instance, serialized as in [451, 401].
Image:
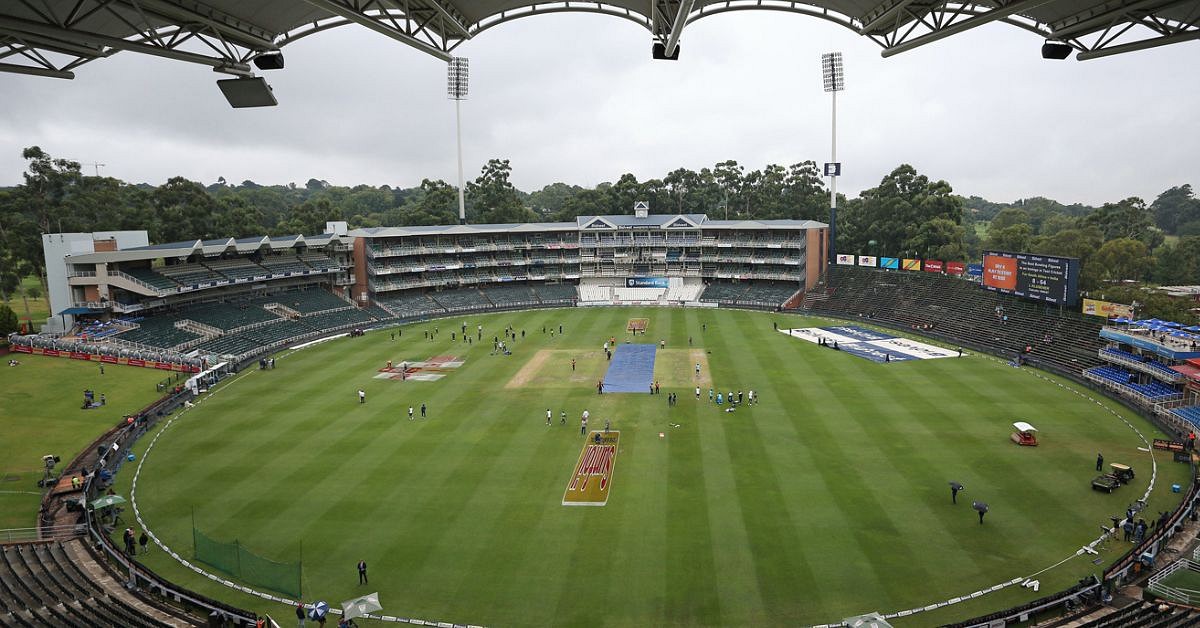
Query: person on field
[562, 417]
[548, 415]
[410, 413]
[362, 396]
[583, 423]
[697, 393]
[143, 540]
[362, 572]
[1100, 462]
[572, 364]
[422, 411]
[300, 615]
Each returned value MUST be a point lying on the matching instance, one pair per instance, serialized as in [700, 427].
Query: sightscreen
[1042, 277]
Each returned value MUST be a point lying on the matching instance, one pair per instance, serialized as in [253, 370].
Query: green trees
[906, 214]
[494, 199]
[8, 321]
[1177, 211]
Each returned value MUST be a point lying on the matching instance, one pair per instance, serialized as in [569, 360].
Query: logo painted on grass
[432, 369]
[593, 474]
[637, 324]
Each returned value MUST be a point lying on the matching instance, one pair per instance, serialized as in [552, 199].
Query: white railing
[1162, 373]
[1181, 594]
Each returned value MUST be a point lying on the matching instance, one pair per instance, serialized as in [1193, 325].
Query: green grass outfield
[827, 500]
[40, 414]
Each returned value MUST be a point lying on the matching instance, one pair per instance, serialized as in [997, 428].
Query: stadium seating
[556, 293]
[151, 278]
[41, 586]
[959, 311]
[309, 301]
[284, 264]
[411, 304]
[724, 293]
[193, 274]
[236, 269]
[157, 331]
[1153, 391]
[319, 262]
[1145, 615]
[460, 300]
[1191, 414]
[227, 316]
[1160, 369]
[508, 295]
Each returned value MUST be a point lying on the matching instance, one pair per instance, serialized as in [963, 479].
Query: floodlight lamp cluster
[457, 74]
[831, 71]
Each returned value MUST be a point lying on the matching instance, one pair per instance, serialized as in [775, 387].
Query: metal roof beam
[55, 45]
[175, 12]
[1088, 24]
[872, 21]
[364, 20]
[27, 26]
[1144, 44]
[681, 13]
[453, 19]
[13, 68]
[964, 25]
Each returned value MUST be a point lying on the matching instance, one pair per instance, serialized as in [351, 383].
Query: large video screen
[1042, 277]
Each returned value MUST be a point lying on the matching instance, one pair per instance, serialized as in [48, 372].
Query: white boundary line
[232, 585]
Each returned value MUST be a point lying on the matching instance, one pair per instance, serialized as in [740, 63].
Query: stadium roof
[585, 223]
[54, 37]
[210, 248]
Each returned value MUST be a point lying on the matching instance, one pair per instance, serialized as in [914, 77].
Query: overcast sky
[577, 98]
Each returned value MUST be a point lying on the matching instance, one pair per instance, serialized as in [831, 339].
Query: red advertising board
[1000, 272]
[166, 366]
[933, 265]
[108, 359]
[79, 355]
[956, 268]
[135, 362]
[50, 352]
[21, 349]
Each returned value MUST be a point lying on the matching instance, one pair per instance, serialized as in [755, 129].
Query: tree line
[907, 214]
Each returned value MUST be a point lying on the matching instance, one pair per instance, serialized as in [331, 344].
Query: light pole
[457, 73]
[834, 79]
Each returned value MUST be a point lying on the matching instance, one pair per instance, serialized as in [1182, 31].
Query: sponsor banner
[892, 263]
[933, 265]
[592, 476]
[845, 260]
[910, 264]
[107, 359]
[870, 344]
[816, 334]
[867, 260]
[646, 282]
[975, 270]
[955, 268]
[1095, 307]
[858, 333]
[875, 354]
[913, 348]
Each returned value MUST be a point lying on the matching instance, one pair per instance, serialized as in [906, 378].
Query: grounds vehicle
[1026, 434]
[1120, 474]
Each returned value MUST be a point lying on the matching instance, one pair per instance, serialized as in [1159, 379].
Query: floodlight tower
[457, 73]
[835, 81]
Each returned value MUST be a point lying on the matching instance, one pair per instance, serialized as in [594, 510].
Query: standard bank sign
[646, 282]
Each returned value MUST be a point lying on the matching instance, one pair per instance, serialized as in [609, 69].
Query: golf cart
[1120, 474]
[1025, 435]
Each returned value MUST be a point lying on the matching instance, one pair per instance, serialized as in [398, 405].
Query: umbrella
[360, 606]
[106, 501]
[980, 506]
[1193, 328]
[1121, 319]
[318, 610]
[956, 486]
[1172, 324]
